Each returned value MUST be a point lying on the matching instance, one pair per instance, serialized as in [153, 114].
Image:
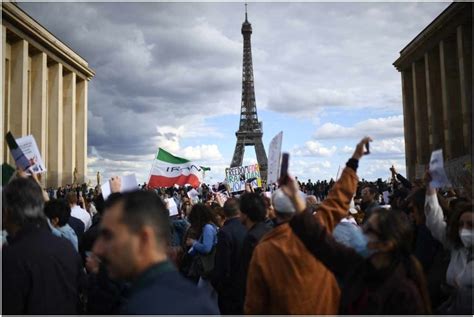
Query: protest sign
[237, 177]
[172, 207]
[129, 183]
[274, 155]
[438, 175]
[19, 157]
[28, 145]
[193, 194]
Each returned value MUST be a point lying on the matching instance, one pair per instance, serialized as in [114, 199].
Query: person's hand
[115, 184]
[248, 188]
[427, 180]
[21, 173]
[392, 169]
[360, 151]
[219, 199]
[190, 242]
[290, 187]
[92, 264]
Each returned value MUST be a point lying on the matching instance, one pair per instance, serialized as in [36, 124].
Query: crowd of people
[346, 246]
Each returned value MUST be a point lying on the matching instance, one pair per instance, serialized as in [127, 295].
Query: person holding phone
[283, 277]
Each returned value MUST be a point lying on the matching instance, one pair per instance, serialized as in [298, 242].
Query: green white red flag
[169, 170]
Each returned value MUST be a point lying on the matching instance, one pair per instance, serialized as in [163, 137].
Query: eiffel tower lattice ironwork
[250, 129]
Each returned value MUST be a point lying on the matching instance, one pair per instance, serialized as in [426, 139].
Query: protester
[379, 275]
[369, 201]
[58, 213]
[77, 211]
[252, 215]
[225, 278]
[203, 249]
[270, 216]
[41, 272]
[312, 203]
[458, 237]
[284, 278]
[133, 241]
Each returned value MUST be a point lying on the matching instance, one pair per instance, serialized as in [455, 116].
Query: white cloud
[315, 149]
[376, 128]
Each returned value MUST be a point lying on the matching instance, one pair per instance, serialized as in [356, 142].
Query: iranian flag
[169, 170]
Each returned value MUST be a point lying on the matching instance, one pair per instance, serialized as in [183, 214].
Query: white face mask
[467, 237]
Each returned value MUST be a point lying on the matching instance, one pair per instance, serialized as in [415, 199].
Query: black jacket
[161, 290]
[42, 274]
[365, 290]
[230, 239]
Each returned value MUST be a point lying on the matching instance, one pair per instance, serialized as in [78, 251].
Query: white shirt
[83, 215]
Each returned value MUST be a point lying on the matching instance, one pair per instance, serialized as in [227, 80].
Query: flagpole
[151, 168]
[339, 168]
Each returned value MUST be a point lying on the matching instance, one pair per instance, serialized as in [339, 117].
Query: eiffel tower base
[259, 151]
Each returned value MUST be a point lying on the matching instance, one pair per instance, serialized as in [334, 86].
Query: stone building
[436, 71]
[44, 93]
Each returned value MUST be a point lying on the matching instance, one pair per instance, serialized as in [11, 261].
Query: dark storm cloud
[173, 64]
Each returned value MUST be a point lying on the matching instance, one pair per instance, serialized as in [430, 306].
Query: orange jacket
[284, 278]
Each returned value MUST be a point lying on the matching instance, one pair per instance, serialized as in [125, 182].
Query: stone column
[81, 129]
[5, 90]
[421, 114]
[451, 92]
[55, 125]
[39, 76]
[434, 100]
[409, 122]
[19, 89]
[69, 127]
[464, 45]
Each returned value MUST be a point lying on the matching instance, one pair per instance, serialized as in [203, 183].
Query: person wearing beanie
[283, 277]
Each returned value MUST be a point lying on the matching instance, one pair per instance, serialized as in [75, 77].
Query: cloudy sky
[169, 75]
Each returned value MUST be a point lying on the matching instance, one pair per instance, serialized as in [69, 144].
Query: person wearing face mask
[378, 274]
[457, 235]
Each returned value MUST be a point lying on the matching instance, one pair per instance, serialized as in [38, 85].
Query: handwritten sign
[237, 177]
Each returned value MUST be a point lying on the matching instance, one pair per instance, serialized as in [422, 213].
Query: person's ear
[146, 236]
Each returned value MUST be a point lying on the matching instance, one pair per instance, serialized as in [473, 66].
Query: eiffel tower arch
[250, 129]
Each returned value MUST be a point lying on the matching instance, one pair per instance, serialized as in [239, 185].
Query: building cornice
[20, 22]
[446, 23]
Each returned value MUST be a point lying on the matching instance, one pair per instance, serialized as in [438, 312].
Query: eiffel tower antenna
[250, 129]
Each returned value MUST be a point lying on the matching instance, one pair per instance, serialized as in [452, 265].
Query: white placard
[192, 194]
[438, 175]
[28, 145]
[172, 207]
[129, 183]
[274, 157]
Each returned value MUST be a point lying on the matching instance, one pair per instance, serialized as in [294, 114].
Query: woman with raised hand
[378, 273]
[457, 235]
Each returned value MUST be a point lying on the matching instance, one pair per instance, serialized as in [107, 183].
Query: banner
[237, 177]
[169, 170]
[274, 157]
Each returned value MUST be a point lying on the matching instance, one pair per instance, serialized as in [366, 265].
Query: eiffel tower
[250, 129]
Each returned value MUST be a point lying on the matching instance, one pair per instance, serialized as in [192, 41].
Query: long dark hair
[453, 223]
[200, 215]
[394, 226]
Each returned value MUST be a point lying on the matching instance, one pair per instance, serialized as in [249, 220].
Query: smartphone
[367, 147]
[284, 168]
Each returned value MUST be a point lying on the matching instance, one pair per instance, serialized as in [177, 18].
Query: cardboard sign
[237, 177]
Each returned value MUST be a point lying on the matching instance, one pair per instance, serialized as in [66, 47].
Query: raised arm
[336, 205]
[434, 216]
[338, 258]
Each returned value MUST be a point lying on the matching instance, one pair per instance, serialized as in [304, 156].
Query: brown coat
[284, 278]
